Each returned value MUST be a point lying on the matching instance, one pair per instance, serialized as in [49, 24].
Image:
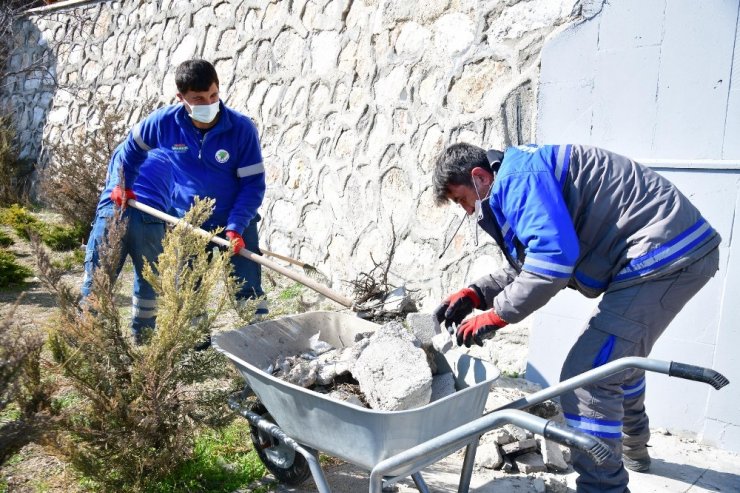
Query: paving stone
[530, 463]
[519, 447]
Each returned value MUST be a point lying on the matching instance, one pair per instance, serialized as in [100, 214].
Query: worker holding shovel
[214, 152]
[602, 224]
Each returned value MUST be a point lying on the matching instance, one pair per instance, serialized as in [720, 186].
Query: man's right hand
[119, 196]
[456, 307]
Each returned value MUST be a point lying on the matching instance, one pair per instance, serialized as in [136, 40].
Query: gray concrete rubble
[392, 371]
[388, 369]
[512, 449]
[424, 326]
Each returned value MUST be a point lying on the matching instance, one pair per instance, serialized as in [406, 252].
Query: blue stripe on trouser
[597, 427]
[632, 391]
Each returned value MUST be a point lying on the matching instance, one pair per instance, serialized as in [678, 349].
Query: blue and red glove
[456, 307]
[237, 242]
[477, 329]
[119, 196]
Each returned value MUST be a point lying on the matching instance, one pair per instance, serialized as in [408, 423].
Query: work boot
[637, 460]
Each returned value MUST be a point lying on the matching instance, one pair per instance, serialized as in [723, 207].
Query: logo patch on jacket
[180, 148]
[222, 155]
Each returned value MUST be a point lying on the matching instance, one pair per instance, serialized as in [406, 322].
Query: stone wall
[353, 99]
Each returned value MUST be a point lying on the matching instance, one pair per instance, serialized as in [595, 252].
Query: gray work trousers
[627, 322]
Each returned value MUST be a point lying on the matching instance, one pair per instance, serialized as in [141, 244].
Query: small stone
[442, 342]
[489, 456]
[530, 463]
[499, 436]
[551, 455]
[520, 447]
[424, 326]
[518, 433]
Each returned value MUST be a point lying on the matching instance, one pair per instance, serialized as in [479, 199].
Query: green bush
[61, 237]
[223, 461]
[20, 219]
[140, 406]
[11, 272]
[5, 240]
[54, 236]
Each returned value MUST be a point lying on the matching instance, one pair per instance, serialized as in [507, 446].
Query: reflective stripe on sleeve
[137, 138]
[545, 267]
[252, 169]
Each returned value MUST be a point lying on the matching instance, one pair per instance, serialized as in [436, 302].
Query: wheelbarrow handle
[567, 436]
[681, 370]
[426, 453]
[698, 373]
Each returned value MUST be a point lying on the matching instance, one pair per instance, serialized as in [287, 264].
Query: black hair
[453, 167]
[195, 75]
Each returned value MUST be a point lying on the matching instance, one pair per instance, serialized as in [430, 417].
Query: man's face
[464, 196]
[194, 98]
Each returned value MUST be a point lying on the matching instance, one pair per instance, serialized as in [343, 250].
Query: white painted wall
[658, 81]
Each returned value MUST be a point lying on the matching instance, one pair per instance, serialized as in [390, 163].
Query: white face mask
[204, 113]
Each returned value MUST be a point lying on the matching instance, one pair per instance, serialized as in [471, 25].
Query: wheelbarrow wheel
[287, 465]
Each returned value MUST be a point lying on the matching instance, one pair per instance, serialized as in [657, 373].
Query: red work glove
[237, 242]
[478, 328]
[456, 307]
[120, 196]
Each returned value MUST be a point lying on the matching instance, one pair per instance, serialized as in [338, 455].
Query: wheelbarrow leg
[318, 474]
[421, 485]
[467, 469]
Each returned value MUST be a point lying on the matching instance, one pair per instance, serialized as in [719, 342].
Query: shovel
[306, 281]
[308, 269]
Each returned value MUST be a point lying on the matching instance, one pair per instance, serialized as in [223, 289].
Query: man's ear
[180, 97]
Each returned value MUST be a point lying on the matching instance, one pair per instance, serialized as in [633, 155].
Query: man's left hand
[237, 242]
[479, 328]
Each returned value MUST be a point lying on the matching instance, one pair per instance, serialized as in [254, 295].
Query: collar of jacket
[488, 224]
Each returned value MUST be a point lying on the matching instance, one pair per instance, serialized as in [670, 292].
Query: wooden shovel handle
[306, 281]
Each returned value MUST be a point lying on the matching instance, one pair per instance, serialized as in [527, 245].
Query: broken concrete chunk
[518, 433]
[424, 326]
[489, 456]
[442, 386]
[395, 330]
[520, 447]
[442, 342]
[500, 436]
[552, 455]
[530, 463]
[555, 484]
[393, 374]
[303, 373]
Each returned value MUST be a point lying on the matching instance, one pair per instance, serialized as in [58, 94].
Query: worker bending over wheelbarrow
[597, 222]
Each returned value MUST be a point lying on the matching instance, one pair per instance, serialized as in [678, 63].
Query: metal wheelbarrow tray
[391, 444]
[349, 432]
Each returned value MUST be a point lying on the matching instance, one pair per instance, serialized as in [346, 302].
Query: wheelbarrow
[291, 425]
